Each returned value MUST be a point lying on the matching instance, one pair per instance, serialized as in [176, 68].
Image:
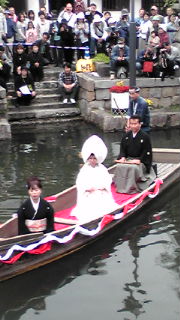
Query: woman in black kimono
[35, 214]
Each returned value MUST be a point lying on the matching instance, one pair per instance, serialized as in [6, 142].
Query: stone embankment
[94, 103]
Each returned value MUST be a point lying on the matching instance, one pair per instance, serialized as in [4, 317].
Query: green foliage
[3, 3]
[101, 57]
[169, 3]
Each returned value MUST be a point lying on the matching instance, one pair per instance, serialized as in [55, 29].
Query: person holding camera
[169, 60]
[119, 59]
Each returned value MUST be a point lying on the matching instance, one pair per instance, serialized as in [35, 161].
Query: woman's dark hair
[107, 12]
[30, 23]
[31, 12]
[33, 182]
[20, 15]
[156, 33]
[41, 13]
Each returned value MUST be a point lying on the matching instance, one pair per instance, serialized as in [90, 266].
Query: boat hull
[29, 261]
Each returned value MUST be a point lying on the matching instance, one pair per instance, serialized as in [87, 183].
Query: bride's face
[92, 160]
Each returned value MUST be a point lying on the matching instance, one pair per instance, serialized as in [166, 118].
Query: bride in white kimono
[94, 197]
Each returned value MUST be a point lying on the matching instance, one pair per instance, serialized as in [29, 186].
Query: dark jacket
[19, 82]
[35, 57]
[138, 147]
[11, 28]
[116, 53]
[67, 36]
[19, 60]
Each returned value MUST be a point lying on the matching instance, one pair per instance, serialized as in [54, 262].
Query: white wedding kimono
[92, 205]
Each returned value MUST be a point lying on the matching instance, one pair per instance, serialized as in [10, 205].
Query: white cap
[94, 145]
[97, 18]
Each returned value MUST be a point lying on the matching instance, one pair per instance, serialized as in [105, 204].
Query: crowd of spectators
[33, 40]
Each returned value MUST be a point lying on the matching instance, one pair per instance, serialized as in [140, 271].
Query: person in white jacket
[98, 36]
[144, 28]
[3, 26]
[68, 15]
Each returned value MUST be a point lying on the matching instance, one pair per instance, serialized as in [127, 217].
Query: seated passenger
[94, 198]
[134, 171]
[35, 214]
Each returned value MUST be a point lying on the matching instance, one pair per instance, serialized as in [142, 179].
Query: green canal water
[132, 273]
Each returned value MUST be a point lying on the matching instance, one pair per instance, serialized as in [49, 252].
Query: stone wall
[95, 104]
[5, 129]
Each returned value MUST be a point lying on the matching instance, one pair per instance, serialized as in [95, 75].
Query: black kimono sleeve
[22, 229]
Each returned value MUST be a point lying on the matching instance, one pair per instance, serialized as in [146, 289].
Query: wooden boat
[168, 168]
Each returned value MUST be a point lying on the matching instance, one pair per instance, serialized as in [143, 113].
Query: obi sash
[36, 225]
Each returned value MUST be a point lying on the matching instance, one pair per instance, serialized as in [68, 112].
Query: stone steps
[40, 99]
[42, 88]
[45, 113]
[39, 106]
[46, 106]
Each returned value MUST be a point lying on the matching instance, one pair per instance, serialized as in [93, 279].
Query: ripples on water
[132, 273]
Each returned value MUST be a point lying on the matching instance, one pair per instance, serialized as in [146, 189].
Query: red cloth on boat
[119, 198]
[42, 249]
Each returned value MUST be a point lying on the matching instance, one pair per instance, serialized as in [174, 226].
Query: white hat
[94, 145]
[80, 15]
[97, 18]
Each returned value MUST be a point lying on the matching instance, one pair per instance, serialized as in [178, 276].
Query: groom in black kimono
[134, 171]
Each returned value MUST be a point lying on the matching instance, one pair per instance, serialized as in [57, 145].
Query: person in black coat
[19, 59]
[55, 41]
[35, 59]
[24, 87]
[35, 214]
[134, 171]
[67, 40]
